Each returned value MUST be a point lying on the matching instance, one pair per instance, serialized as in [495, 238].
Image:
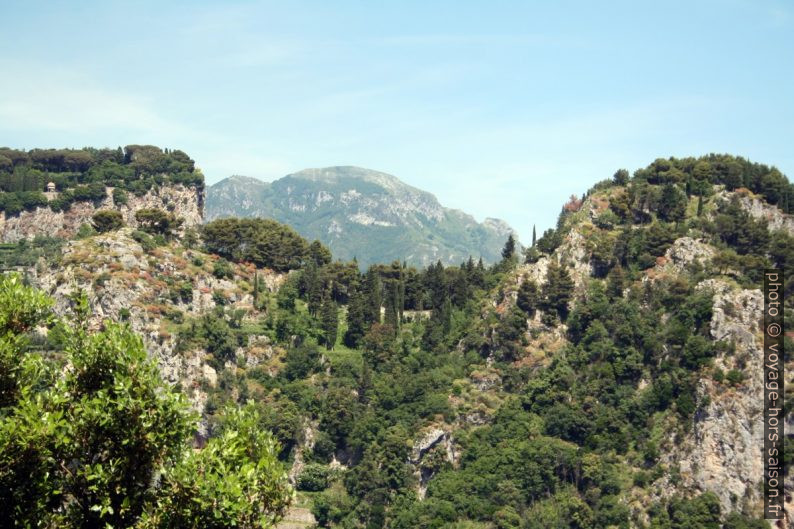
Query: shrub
[145, 240]
[120, 197]
[106, 220]
[314, 478]
[157, 221]
[222, 269]
[734, 377]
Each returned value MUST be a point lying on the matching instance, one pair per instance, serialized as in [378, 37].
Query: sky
[501, 109]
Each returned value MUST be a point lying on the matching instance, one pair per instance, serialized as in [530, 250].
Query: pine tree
[329, 321]
[528, 297]
[672, 203]
[557, 290]
[509, 249]
[616, 280]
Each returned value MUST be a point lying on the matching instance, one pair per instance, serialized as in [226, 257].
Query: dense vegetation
[26, 253]
[264, 242]
[106, 443]
[563, 445]
[83, 174]
[550, 426]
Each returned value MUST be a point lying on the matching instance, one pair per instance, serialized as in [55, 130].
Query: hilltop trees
[509, 249]
[264, 242]
[83, 174]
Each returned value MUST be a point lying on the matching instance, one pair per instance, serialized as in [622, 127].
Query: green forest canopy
[83, 174]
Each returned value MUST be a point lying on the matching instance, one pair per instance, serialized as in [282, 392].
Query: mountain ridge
[364, 214]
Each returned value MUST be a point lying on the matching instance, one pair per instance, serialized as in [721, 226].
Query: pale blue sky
[500, 108]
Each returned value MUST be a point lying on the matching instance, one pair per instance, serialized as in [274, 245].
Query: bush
[84, 231]
[734, 377]
[144, 239]
[106, 220]
[109, 433]
[222, 269]
[313, 478]
[156, 221]
[120, 197]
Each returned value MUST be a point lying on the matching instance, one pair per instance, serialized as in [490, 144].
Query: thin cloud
[74, 104]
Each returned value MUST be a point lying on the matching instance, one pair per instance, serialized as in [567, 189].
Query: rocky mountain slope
[718, 450]
[54, 192]
[361, 213]
[184, 202]
[635, 400]
[158, 290]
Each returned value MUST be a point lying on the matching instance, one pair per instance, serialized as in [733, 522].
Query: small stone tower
[51, 193]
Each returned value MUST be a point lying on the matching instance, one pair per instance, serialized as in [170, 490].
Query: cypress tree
[311, 286]
[356, 319]
[372, 295]
[534, 236]
[435, 284]
[391, 316]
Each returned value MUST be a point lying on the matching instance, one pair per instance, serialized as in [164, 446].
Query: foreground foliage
[107, 443]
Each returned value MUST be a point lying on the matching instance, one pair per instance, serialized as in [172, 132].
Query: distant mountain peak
[346, 173]
[364, 213]
[245, 180]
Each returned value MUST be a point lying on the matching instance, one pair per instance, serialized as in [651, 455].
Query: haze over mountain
[362, 213]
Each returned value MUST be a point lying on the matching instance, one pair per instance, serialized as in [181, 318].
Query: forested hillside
[605, 377]
[50, 193]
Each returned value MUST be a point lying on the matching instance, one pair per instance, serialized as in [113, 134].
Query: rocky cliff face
[759, 209]
[723, 451]
[122, 282]
[184, 202]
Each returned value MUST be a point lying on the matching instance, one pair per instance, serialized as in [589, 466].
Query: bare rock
[686, 251]
[184, 202]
